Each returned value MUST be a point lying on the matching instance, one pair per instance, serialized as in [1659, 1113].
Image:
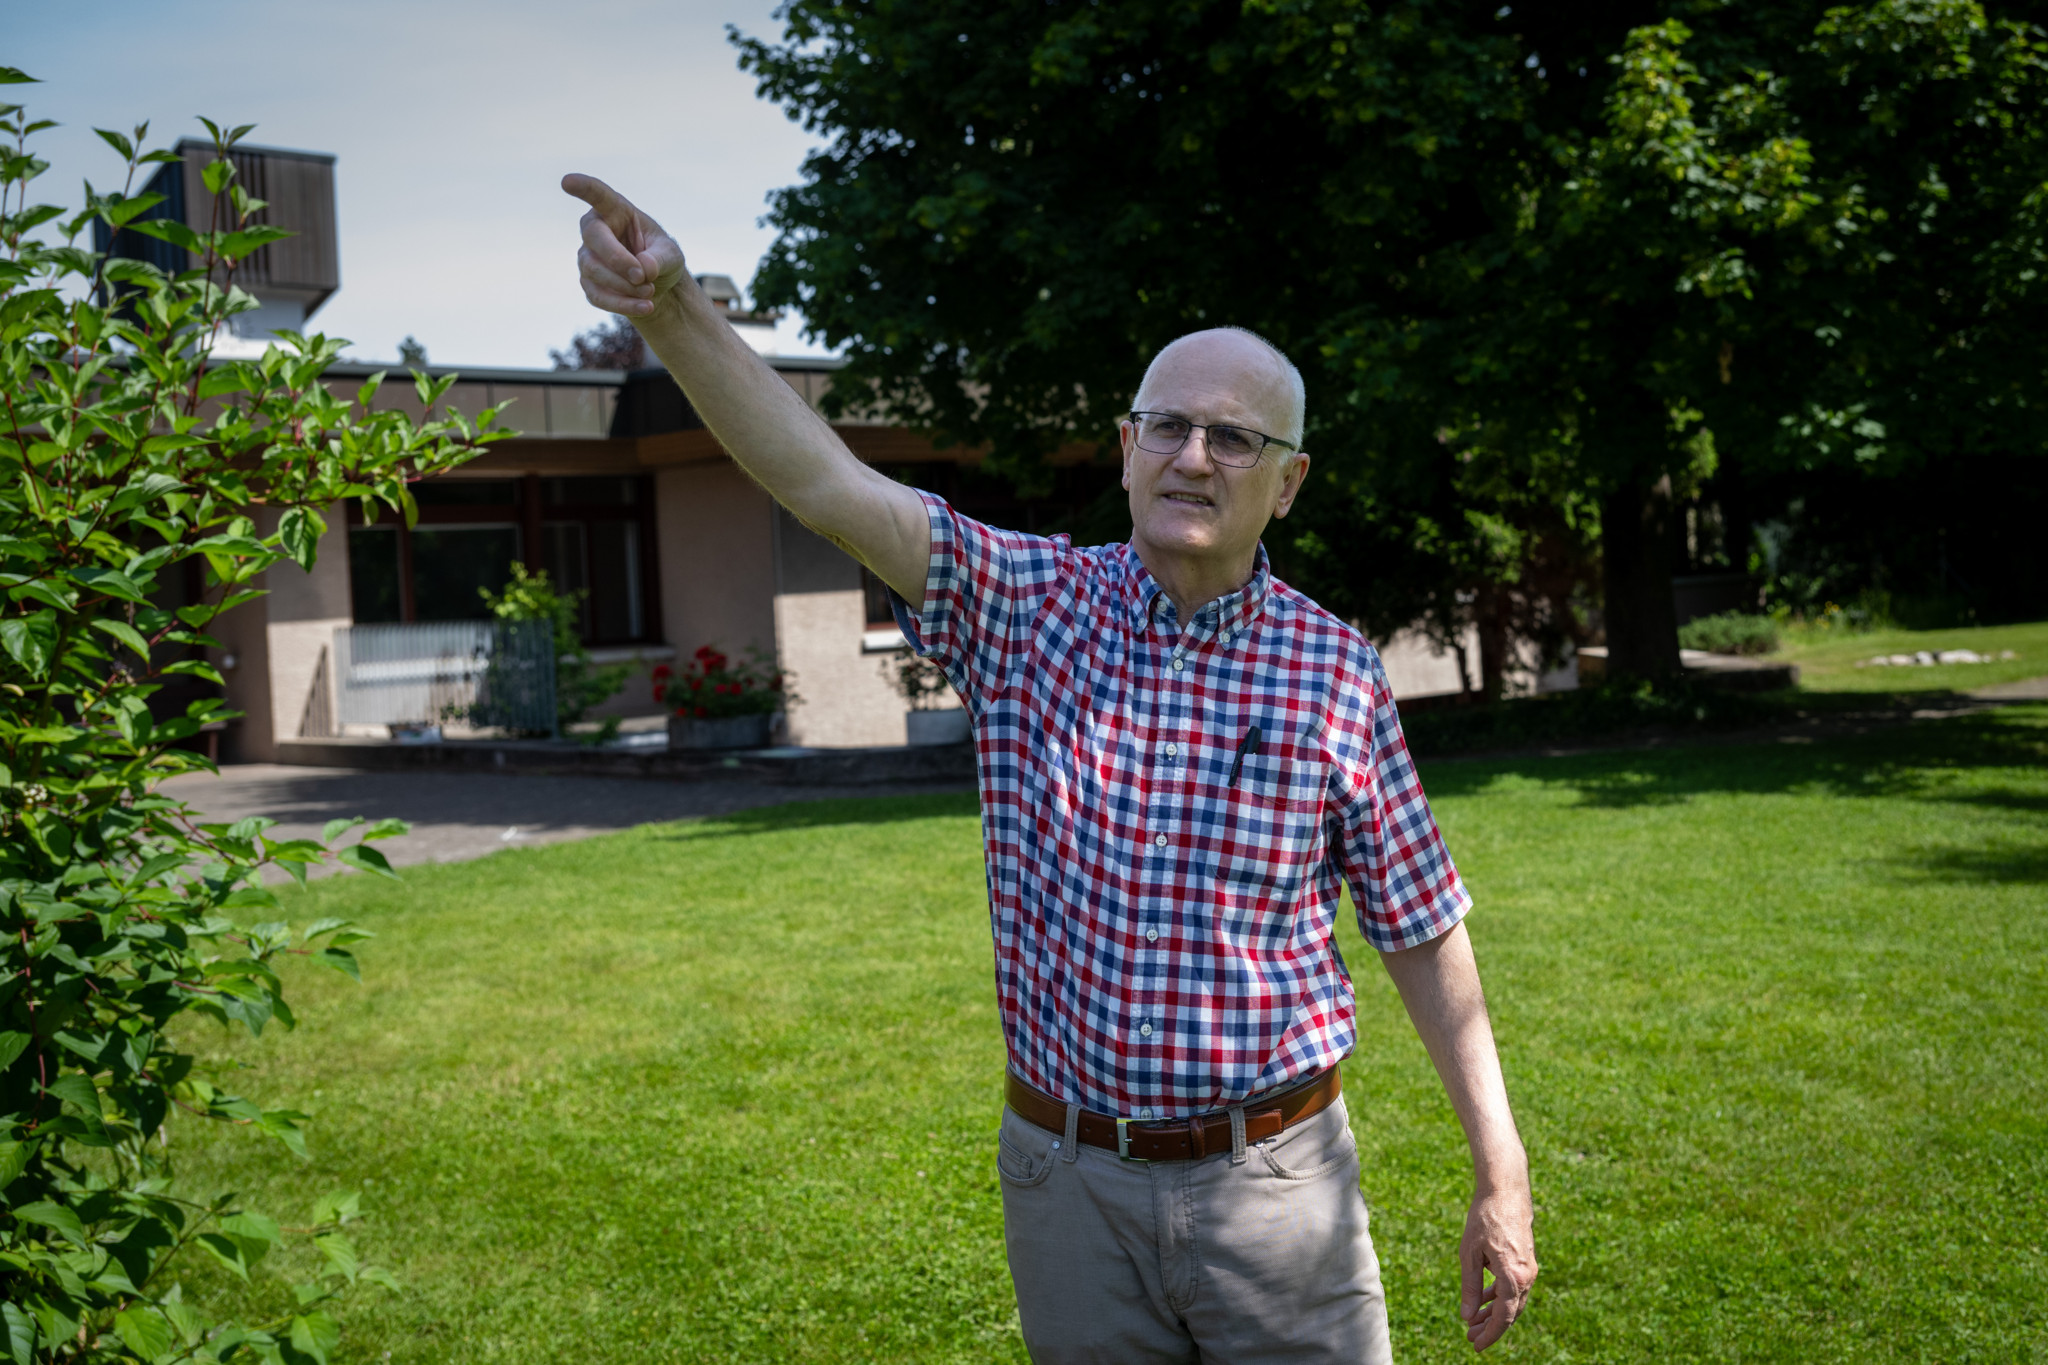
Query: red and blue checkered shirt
[1162, 909]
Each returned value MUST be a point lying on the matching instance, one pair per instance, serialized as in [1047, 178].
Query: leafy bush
[1730, 632]
[713, 687]
[579, 684]
[128, 460]
[916, 679]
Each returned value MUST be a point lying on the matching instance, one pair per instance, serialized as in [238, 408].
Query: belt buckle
[1123, 1143]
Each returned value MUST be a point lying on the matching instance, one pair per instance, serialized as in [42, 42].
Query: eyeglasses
[1239, 447]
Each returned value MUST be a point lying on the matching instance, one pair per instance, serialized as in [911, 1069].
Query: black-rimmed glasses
[1239, 447]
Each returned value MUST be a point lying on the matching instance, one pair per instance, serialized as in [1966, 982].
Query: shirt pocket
[1272, 837]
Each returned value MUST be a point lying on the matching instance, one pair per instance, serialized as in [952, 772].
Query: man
[1181, 763]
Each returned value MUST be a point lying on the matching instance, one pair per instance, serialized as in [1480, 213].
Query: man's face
[1185, 508]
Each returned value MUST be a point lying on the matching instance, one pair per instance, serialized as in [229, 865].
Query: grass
[1827, 659]
[1772, 1017]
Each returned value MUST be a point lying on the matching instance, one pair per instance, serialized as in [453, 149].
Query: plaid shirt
[1163, 927]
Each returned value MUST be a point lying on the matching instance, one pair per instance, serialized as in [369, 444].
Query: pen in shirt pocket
[1248, 745]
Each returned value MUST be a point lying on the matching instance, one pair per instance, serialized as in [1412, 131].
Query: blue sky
[452, 123]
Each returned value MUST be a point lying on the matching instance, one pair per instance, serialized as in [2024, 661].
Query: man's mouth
[1193, 499]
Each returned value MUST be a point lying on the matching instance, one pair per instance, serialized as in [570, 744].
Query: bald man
[1183, 764]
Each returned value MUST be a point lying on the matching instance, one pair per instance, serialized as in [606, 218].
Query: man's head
[1193, 517]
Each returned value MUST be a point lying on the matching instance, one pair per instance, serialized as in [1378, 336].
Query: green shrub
[579, 684]
[127, 459]
[1730, 632]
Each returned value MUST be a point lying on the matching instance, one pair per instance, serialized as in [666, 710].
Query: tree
[613, 345]
[1593, 246]
[412, 351]
[146, 490]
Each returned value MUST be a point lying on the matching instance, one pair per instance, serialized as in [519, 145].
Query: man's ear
[1290, 483]
[1127, 436]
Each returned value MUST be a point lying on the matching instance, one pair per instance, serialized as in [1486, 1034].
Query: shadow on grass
[880, 809]
[2028, 866]
[1892, 760]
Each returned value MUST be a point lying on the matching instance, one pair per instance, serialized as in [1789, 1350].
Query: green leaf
[334, 829]
[217, 174]
[315, 1334]
[125, 633]
[14, 75]
[340, 1253]
[387, 829]
[172, 231]
[30, 640]
[198, 668]
[55, 1217]
[341, 959]
[77, 1089]
[17, 1328]
[119, 142]
[300, 529]
[13, 1044]
[337, 1206]
[227, 1250]
[145, 1331]
[367, 860]
[14, 1157]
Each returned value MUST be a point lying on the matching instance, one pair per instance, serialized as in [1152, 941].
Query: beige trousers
[1227, 1260]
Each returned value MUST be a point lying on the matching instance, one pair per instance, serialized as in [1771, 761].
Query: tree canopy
[1543, 271]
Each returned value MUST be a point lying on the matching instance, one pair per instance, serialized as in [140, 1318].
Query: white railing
[499, 673]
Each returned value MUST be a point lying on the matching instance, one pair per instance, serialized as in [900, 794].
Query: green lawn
[1827, 660]
[1772, 1017]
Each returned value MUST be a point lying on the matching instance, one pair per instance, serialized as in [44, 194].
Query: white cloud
[452, 124]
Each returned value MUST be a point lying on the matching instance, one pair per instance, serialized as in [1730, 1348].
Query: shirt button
[1144, 1113]
[1172, 749]
[1161, 841]
[1151, 936]
[1145, 1031]
[1178, 665]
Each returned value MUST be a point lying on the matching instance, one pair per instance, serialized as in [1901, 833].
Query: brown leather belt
[1176, 1139]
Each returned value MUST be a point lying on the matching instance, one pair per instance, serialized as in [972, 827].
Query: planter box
[950, 726]
[730, 732]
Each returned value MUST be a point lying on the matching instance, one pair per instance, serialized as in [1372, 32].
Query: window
[453, 566]
[592, 534]
[875, 593]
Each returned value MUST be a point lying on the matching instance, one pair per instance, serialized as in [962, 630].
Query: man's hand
[1500, 1237]
[1439, 983]
[627, 262]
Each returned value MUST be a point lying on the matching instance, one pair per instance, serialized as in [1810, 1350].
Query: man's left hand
[1499, 1236]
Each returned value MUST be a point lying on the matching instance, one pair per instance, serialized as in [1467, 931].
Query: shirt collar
[1223, 618]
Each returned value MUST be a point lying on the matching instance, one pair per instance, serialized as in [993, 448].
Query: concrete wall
[715, 532]
[820, 618]
[278, 644]
[1417, 668]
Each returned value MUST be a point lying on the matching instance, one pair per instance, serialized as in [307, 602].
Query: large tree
[1590, 250]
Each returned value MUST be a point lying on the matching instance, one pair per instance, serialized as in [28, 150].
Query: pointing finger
[600, 196]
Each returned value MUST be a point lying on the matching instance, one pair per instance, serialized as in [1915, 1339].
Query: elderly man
[1182, 762]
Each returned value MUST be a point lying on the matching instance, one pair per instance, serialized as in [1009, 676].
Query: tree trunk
[1489, 614]
[1635, 548]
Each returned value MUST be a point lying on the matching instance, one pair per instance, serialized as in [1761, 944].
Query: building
[612, 485]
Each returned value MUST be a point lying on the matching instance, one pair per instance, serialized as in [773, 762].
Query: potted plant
[715, 703]
[921, 683]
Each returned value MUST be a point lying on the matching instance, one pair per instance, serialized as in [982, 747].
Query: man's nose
[1193, 457]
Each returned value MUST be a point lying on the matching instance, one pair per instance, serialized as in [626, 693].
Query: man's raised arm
[631, 267]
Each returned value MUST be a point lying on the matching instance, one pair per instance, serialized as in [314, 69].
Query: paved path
[456, 816]
[2026, 689]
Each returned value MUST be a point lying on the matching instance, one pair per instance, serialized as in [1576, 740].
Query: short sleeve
[982, 592]
[1389, 850]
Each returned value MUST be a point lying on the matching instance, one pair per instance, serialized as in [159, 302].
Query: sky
[452, 122]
